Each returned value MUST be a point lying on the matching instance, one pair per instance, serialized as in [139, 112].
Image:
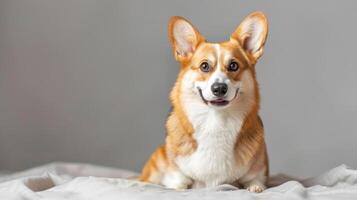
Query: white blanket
[81, 181]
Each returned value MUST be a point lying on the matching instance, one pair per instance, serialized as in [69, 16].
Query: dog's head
[218, 73]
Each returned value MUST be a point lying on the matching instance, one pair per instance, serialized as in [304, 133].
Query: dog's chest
[214, 161]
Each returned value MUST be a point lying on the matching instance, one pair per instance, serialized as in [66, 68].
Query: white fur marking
[216, 133]
[176, 180]
[218, 54]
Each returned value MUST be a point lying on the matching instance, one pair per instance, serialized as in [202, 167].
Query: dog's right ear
[184, 38]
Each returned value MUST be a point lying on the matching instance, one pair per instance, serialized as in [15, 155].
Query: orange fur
[250, 149]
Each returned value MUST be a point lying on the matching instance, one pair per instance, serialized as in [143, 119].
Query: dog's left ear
[252, 33]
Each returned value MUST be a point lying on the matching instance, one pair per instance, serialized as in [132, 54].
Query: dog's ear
[184, 38]
[252, 33]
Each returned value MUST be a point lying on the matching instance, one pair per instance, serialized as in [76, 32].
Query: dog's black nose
[219, 89]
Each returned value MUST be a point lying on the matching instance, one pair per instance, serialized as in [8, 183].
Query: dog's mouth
[217, 102]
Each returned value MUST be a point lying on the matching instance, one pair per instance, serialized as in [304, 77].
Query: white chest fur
[216, 134]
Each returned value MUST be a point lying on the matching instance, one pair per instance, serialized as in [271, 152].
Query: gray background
[88, 81]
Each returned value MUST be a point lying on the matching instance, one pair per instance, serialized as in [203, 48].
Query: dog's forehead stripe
[217, 49]
[223, 55]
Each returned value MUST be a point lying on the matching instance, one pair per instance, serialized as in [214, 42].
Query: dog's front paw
[256, 188]
[182, 187]
[176, 180]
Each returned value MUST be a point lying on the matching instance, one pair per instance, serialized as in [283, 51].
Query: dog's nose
[219, 89]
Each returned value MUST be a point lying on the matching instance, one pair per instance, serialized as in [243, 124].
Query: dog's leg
[255, 182]
[160, 170]
[256, 177]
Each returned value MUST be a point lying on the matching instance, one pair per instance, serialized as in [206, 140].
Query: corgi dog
[214, 132]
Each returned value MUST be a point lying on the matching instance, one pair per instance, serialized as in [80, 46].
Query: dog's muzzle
[219, 101]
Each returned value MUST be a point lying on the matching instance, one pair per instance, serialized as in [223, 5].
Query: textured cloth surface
[83, 181]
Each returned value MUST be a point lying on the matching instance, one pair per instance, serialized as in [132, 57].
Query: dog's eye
[205, 67]
[233, 66]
